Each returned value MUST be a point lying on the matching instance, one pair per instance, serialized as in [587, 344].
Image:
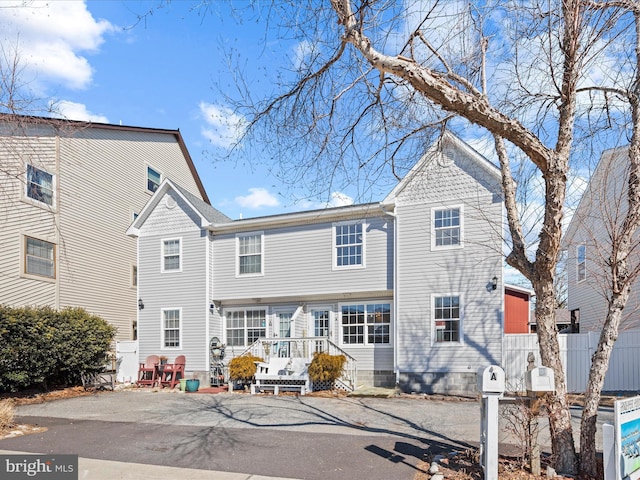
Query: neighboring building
[565, 322]
[517, 309]
[68, 192]
[405, 286]
[601, 211]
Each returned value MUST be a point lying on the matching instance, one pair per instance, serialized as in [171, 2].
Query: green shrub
[325, 367]
[43, 347]
[243, 367]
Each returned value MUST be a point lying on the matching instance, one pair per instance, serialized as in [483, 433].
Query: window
[349, 245]
[581, 259]
[39, 258]
[39, 185]
[153, 179]
[134, 276]
[374, 319]
[446, 313]
[249, 254]
[171, 255]
[245, 327]
[447, 227]
[171, 328]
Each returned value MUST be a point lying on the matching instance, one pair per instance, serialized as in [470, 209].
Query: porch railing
[266, 348]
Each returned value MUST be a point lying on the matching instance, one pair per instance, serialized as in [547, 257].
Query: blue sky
[102, 62]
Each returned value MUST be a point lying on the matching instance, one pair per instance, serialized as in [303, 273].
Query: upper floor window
[153, 179]
[447, 227]
[349, 244]
[250, 253]
[171, 328]
[39, 185]
[243, 327]
[39, 258]
[171, 253]
[446, 314]
[581, 262]
[134, 276]
[366, 324]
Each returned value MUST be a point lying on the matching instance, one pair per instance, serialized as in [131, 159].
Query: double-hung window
[581, 262]
[171, 328]
[171, 255]
[446, 227]
[39, 185]
[154, 178]
[348, 244]
[39, 257]
[250, 253]
[446, 315]
[366, 324]
[243, 327]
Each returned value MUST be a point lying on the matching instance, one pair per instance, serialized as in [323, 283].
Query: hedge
[42, 347]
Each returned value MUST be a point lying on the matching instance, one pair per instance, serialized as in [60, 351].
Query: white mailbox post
[491, 382]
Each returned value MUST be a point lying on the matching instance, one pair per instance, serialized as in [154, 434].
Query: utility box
[540, 379]
[491, 379]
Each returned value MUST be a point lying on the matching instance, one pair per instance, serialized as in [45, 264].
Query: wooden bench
[99, 381]
[288, 374]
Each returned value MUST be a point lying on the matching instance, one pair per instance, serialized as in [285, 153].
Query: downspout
[396, 329]
[209, 294]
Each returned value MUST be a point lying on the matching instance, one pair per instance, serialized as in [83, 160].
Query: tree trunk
[562, 443]
[597, 372]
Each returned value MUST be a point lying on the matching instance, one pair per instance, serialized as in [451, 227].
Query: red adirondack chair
[173, 372]
[148, 371]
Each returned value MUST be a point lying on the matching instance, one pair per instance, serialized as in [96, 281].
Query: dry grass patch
[7, 415]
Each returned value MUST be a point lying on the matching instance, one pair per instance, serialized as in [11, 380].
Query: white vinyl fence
[575, 352]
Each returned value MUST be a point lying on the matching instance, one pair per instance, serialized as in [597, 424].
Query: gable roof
[208, 214]
[71, 125]
[454, 141]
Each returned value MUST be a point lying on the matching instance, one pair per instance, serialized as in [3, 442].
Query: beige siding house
[68, 193]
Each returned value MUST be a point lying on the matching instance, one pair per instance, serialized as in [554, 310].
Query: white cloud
[49, 37]
[257, 198]
[301, 52]
[339, 199]
[78, 111]
[224, 127]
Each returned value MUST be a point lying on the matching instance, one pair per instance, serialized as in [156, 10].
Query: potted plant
[193, 384]
[163, 360]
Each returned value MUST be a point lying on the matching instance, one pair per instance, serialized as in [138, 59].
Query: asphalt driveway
[302, 437]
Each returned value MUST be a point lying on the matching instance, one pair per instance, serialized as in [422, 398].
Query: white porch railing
[266, 348]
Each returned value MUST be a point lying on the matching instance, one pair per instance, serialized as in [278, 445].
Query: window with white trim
[171, 255]
[446, 315]
[39, 257]
[154, 178]
[243, 327]
[581, 262]
[39, 185]
[171, 328]
[366, 324]
[250, 253]
[447, 227]
[349, 244]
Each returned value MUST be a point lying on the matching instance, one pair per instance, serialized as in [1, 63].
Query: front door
[283, 328]
[321, 318]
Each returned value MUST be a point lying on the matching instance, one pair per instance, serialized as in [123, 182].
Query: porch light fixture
[494, 283]
[140, 304]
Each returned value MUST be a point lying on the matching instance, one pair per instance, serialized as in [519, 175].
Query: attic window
[153, 179]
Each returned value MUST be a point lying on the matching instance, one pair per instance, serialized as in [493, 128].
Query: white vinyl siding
[349, 246]
[39, 258]
[40, 185]
[250, 253]
[171, 327]
[446, 224]
[171, 255]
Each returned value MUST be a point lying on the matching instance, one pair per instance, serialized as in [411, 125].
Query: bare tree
[372, 79]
